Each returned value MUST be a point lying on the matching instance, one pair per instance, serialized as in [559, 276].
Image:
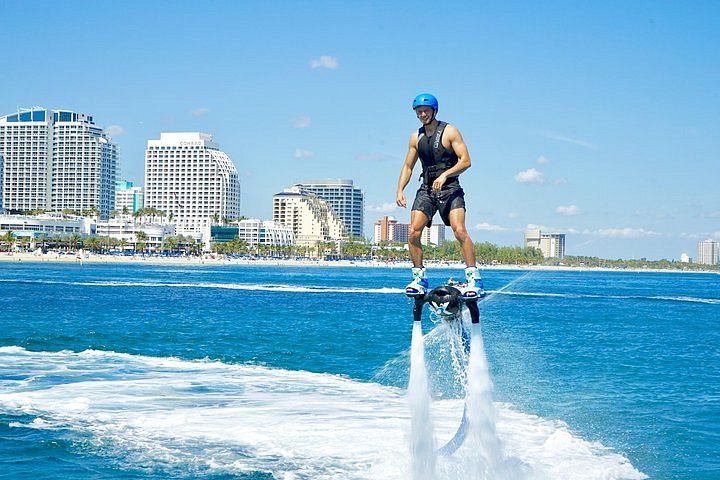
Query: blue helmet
[425, 99]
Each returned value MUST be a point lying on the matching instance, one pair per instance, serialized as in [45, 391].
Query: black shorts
[450, 197]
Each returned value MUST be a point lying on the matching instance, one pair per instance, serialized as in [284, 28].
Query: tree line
[355, 249]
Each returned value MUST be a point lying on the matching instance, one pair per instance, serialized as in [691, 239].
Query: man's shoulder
[451, 131]
[450, 127]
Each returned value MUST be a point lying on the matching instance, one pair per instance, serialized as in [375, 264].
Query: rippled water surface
[250, 372]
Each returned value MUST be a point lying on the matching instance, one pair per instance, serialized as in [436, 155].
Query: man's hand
[438, 184]
[400, 199]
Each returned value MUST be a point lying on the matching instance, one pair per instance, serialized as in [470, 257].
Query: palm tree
[140, 239]
[170, 243]
[8, 238]
[75, 241]
[93, 243]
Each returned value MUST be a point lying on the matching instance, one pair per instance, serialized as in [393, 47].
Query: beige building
[346, 200]
[311, 219]
[552, 245]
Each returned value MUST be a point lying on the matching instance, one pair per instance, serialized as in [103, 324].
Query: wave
[287, 288]
[669, 298]
[192, 417]
[227, 286]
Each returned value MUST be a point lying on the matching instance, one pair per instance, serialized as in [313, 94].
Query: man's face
[424, 114]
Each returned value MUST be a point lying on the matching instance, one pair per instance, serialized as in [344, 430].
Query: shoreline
[213, 260]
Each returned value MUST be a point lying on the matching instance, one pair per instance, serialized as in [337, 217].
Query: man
[444, 156]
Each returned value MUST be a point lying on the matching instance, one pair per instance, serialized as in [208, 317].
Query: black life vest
[434, 157]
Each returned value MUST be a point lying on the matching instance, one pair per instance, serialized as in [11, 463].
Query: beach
[219, 260]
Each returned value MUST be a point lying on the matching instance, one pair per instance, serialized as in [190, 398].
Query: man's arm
[406, 171]
[456, 142]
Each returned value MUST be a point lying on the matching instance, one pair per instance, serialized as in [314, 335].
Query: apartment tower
[56, 160]
[708, 252]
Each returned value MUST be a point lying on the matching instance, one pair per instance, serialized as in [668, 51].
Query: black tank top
[434, 157]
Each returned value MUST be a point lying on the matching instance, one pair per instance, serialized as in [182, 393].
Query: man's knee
[460, 231]
[414, 233]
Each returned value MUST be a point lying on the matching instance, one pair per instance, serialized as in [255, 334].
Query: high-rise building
[346, 200]
[434, 235]
[384, 230]
[311, 218]
[708, 252]
[389, 229]
[552, 245]
[189, 179]
[56, 160]
[128, 198]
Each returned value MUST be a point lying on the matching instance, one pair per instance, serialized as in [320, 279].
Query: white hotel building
[189, 179]
[55, 160]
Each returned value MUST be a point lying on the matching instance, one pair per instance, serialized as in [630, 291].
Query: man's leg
[457, 223]
[418, 220]
[473, 283]
[419, 284]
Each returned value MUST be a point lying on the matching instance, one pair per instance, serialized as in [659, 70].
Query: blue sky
[596, 119]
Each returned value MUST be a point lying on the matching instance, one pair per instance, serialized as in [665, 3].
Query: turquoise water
[250, 372]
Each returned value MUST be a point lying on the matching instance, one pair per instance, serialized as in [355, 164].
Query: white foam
[219, 418]
[423, 456]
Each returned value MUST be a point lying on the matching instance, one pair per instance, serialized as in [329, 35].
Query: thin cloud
[490, 227]
[563, 138]
[114, 130]
[200, 111]
[388, 207]
[568, 210]
[325, 61]
[301, 122]
[542, 160]
[625, 233]
[377, 157]
[302, 153]
[530, 176]
[601, 232]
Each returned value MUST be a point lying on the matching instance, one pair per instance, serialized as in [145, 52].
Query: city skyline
[595, 120]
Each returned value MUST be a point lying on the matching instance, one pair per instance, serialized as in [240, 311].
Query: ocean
[133, 371]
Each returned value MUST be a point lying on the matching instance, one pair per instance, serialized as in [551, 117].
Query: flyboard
[447, 302]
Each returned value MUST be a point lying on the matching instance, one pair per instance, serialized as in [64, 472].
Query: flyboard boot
[473, 286]
[419, 285]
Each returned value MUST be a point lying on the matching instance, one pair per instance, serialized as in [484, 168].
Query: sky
[596, 119]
